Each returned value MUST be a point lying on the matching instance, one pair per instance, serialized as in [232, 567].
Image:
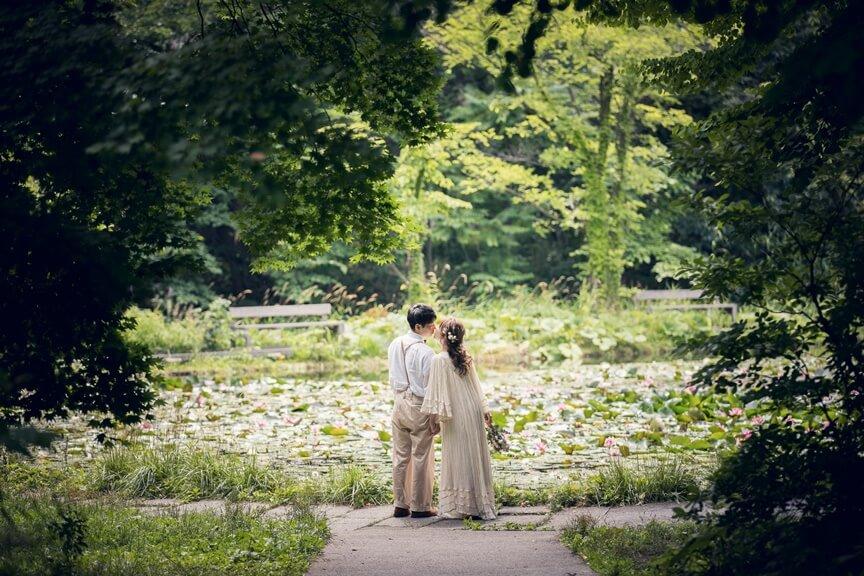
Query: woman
[453, 397]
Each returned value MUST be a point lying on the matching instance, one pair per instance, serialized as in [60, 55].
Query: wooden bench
[677, 300]
[284, 311]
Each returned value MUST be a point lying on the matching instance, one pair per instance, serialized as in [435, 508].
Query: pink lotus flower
[561, 407]
[146, 425]
[199, 400]
[744, 435]
[648, 381]
[609, 442]
[757, 420]
[540, 447]
[736, 412]
[690, 389]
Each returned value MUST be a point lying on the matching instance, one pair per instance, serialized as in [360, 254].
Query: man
[410, 360]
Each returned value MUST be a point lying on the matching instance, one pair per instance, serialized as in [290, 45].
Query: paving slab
[409, 522]
[518, 510]
[157, 503]
[391, 551]
[448, 524]
[219, 506]
[502, 522]
[359, 518]
[616, 515]
[375, 512]
[333, 510]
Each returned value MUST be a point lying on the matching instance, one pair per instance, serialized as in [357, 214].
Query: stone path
[522, 541]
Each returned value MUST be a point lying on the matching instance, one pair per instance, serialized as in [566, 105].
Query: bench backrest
[645, 295]
[280, 310]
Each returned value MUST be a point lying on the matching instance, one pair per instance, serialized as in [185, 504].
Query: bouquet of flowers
[497, 440]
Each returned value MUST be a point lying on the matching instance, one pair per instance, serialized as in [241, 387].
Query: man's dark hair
[420, 314]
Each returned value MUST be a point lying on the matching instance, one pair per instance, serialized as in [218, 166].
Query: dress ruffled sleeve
[437, 399]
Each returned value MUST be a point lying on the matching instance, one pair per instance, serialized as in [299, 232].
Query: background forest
[565, 179]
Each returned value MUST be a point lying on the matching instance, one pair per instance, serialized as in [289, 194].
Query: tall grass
[659, 480]
[190, 474]
[174, 472]
[635, 482]
[356, 487]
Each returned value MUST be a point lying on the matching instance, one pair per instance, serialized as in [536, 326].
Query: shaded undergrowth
[102, 539]
[628, 550]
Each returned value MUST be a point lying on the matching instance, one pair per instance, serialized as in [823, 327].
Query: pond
[559, 422]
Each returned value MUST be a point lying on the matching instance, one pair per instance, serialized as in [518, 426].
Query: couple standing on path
[438, 393]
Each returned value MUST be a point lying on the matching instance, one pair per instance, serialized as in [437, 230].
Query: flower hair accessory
[450, 336]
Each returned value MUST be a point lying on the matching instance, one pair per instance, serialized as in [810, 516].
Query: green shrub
[153, 331]
[216, 323]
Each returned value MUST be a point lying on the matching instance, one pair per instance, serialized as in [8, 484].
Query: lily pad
[331, 430]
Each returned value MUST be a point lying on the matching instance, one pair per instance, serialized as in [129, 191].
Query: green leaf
[331, 430]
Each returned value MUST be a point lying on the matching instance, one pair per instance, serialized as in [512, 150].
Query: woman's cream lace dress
[466, 468]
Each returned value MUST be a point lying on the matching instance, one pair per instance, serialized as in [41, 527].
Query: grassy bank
[193, 474]
[107, 539]
[625, 551]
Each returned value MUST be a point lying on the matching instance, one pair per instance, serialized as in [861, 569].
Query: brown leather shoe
[400, 512]
[423, 514]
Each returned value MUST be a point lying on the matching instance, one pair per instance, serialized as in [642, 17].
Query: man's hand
[487, 419]
[434, 425]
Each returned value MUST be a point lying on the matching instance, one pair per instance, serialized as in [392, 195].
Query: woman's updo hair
[453, 333]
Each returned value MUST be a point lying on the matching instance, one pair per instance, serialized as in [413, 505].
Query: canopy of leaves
[113, 133]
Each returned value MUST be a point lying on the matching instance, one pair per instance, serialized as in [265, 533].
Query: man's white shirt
[417, 362]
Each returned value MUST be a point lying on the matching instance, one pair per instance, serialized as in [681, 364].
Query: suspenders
[405, 362]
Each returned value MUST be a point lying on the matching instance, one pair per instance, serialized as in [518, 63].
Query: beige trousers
[413, 454]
